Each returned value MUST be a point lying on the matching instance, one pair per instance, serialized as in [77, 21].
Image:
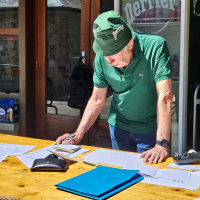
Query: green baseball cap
[111, 34]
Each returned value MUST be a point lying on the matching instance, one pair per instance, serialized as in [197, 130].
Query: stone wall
[9, 53]
[9, 19]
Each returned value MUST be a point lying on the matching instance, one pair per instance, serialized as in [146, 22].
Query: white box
[9, 127]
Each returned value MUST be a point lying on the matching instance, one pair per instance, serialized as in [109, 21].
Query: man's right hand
[92, 111]
[75, 140]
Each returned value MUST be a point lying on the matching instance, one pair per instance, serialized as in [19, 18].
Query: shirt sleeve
[99, 77]
[162, 68]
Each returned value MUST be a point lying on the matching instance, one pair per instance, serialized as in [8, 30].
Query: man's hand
[74, 140]
[156, 155]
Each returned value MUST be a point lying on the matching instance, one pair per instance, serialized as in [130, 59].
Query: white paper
[26, 160]
[144, 169]
[71, 155]
[19, 149]
[80, 151]
[190, 184]
[5, 151]
[22, 149]
[29, 158]
[173, 174]
[186, 167]
[68, 146]
[111, 157]
[160, 173]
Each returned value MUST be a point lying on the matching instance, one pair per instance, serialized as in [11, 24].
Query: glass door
[63, 51]
[62, 35]
[162, 18]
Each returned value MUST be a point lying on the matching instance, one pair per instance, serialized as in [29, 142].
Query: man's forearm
[164, 108]
[91, 113]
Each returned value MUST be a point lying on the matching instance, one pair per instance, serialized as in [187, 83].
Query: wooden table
[19, 182]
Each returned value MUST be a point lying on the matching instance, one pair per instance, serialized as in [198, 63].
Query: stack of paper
[101, 182]
[29, 158]
[67, 147]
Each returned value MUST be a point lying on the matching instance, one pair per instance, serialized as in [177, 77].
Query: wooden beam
[27, 68]
[10, 31]
[41, 70]
[95, 11]
[22, 64]
[85, 28]
[68, 120]
[10, 38]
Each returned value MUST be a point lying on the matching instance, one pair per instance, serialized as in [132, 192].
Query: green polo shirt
[134, 103]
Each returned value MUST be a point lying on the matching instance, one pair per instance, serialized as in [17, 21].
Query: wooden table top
[18, 182]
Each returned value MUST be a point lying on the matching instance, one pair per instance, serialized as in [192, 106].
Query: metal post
[194, 116]
[183, 80]
[117, 6]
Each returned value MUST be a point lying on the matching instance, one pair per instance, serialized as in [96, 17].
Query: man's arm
[164, 107]
[93, 109]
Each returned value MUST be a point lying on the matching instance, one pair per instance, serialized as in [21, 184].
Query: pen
[68, 138]
[89, 163]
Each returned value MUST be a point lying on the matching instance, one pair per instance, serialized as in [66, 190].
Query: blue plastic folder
[101, 182]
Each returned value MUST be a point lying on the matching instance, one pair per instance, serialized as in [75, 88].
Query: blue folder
[101, 182]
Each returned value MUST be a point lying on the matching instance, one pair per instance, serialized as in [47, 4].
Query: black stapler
[187, 158]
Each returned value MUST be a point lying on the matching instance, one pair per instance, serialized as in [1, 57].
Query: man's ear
[131, 44]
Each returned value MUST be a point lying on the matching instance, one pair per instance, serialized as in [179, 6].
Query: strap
[80, 61]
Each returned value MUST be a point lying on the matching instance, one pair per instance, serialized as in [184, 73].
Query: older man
[137, 67]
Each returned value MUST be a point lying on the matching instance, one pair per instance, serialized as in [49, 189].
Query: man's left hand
[156, 155]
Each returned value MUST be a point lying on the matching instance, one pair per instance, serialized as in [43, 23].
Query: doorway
[63, 32]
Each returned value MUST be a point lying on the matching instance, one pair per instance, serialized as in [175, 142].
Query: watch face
[164, 143]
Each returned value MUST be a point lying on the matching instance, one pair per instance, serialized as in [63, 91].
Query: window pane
[9, 66]
[63, 50]
[9, 14]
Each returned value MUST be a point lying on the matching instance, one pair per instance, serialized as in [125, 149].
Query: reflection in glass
[9, 66]
[163, 19]
[63, 48]
[9, 14]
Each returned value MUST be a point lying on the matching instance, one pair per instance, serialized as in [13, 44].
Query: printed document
[160, 173]
[192, 184]
[111, 157]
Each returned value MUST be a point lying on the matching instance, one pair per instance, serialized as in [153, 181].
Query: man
[137, 68]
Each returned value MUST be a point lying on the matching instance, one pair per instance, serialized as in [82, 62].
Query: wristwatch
[163, 143]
